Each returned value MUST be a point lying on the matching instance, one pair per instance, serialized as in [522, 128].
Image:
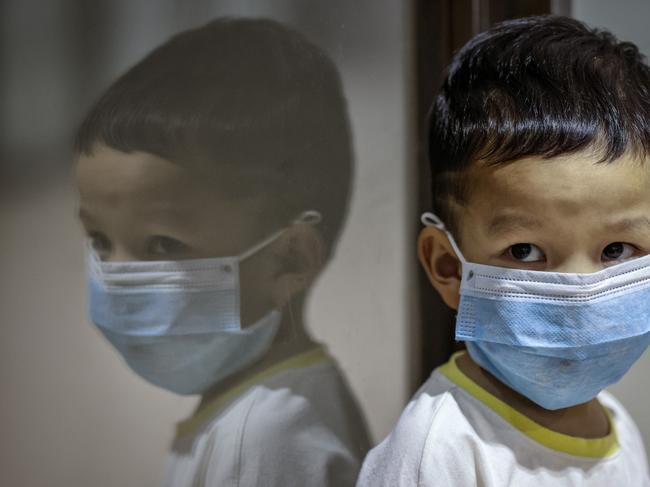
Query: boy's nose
[580, 264]
[121, 254]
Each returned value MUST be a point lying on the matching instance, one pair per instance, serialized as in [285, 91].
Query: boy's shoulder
[429, 428]
[446, 436]
[627, 433]
[276, 431]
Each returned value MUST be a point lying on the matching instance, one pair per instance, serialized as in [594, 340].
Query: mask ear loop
[432, 220]
[309, 217]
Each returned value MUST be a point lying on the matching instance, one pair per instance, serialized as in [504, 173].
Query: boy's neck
[587, 420]
[291, 340]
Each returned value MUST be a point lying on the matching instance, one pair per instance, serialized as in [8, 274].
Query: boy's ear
[300, 252]
[441, 264]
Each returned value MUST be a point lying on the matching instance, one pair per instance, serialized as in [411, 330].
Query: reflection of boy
[228, 140]
[538, 145]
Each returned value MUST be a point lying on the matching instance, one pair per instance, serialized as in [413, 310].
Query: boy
[214, 178]
[538, 142]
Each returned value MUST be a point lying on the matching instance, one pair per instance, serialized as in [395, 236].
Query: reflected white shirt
[295, 424]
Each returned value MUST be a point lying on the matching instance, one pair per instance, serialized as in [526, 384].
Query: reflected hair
[249, 101]
[540, 86]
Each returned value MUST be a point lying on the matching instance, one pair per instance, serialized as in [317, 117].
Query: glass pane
[207, 233]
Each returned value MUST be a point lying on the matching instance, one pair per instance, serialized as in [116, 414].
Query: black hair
[248, 98]
[539, 86]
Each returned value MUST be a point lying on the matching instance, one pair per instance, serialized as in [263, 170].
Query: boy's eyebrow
[506, 222]
[629, 224]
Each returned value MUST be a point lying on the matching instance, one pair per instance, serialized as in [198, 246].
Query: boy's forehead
[566, 187]
[108, 170]
[138, 181]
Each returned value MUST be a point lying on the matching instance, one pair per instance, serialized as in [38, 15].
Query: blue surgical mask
[556, 338]
[177, 323]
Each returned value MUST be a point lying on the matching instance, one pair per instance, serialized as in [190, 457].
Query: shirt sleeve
[414, 453]
[281, 441]
[629, 437]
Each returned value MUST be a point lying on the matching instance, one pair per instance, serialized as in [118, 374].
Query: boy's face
[137, 207]
[566, 214]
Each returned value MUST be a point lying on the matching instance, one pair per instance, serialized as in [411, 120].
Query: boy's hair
[539, 86]
[250, 101]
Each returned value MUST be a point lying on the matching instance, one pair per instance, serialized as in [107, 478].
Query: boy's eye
[99, 243]
[618, 251]
[525, 252]
[160, 245]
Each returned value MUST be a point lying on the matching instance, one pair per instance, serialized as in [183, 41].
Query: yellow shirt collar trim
[584, 447]
[209, 409]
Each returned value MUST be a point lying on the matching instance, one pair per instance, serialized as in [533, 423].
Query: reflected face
[566, 214]
[140, 207]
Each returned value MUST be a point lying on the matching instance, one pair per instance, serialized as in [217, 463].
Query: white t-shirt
[455, 433]
[295, 424]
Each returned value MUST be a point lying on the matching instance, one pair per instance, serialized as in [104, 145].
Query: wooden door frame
[441, 28]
